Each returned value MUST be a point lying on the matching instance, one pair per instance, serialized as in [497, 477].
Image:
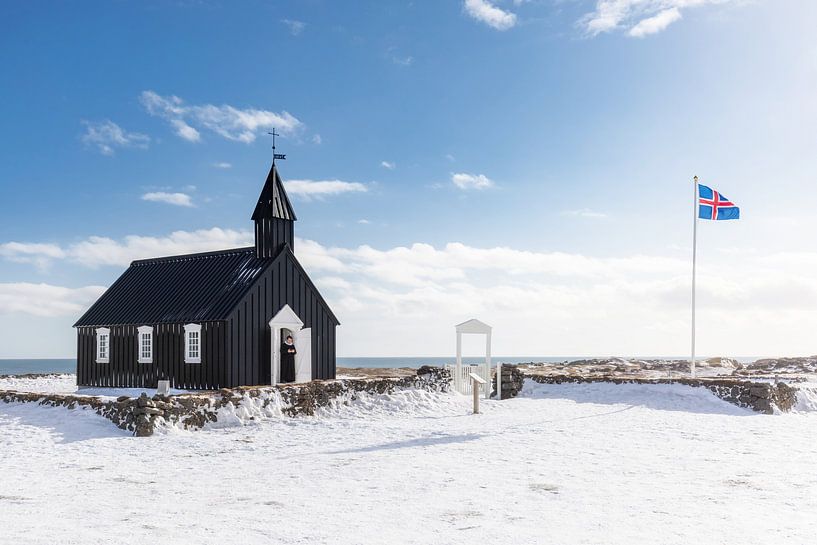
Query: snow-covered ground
[46, 384]
[567, 464]
[67, 384]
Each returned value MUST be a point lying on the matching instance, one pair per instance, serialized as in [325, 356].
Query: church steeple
[273, 216]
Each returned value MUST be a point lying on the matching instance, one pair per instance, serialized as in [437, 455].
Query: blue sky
[525, 162]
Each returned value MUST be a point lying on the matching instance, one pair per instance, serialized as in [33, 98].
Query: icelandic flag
[714, 206]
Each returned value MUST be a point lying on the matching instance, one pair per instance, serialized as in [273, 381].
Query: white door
[303, 356]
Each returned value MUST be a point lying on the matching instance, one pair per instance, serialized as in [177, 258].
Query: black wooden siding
[235, 351]
[270, 234]
[283, 283]
[124, 371]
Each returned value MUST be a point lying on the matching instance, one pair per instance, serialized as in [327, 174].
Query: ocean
[69, 365]
[23, 366]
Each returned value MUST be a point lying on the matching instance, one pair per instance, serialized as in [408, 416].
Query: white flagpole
[694, 258]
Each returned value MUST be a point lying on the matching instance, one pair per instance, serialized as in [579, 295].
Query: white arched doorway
[475, 327]
[286, 319]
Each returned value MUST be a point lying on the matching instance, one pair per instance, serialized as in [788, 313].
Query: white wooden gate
[460, 372]
[462, 381]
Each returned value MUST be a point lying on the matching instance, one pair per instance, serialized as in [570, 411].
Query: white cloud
[46, 300]
[639, 17]
[539, 302]
[471, 181]
[420, 262]
[364, 221]
[398, 59]
[388, 164]
[584, 213]
[225, 120]
[176, 199]
[656, 23]
[546, 302]
[223, 165]
[316, 139]
[295, 27]
[185, 131]
[40, 254]
[406, 60]
[486, 12]
[13, 249]
[98, 251]
[106, 136]
[322, 188]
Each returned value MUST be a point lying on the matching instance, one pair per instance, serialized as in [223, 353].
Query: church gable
[289, 257]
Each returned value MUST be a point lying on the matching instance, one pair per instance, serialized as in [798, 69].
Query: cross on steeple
[276, 155]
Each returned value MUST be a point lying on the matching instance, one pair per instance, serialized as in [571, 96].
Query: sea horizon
[15, 366]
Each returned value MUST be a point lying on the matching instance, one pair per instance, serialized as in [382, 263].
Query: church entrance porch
[284, 323]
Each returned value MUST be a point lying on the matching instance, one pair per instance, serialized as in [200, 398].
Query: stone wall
[142, 415]
[762, 397]
[512, 381]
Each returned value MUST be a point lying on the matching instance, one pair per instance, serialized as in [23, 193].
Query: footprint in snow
[456, 516]
[742, 483]
[14, 499]
[544, 487]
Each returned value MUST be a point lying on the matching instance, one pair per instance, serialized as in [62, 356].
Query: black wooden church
[211, 320]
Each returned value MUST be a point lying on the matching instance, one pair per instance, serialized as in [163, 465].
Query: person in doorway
[288, 360]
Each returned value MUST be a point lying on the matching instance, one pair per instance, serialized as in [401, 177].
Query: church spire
[273, 216]
[273, 201]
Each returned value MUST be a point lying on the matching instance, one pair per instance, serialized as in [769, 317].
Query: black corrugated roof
[184, 288]
[273, 201]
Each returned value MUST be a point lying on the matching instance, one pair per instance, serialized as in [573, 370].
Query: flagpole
[694, 259]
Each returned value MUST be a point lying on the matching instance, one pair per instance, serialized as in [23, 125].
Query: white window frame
[103, 333]
[145, 331]
[188, 329]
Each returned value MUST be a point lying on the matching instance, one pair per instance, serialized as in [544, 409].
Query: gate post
[476, 381]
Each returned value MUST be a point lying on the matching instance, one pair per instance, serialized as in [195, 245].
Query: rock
[763, 406]
[143, 431]
[148, 410]
[761, 391]
[512, 381]
[806, 365]
[431, 373]
[784, 396]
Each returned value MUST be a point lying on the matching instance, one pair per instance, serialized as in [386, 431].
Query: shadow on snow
[63, 425]
[442, 439]
[661, 397]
